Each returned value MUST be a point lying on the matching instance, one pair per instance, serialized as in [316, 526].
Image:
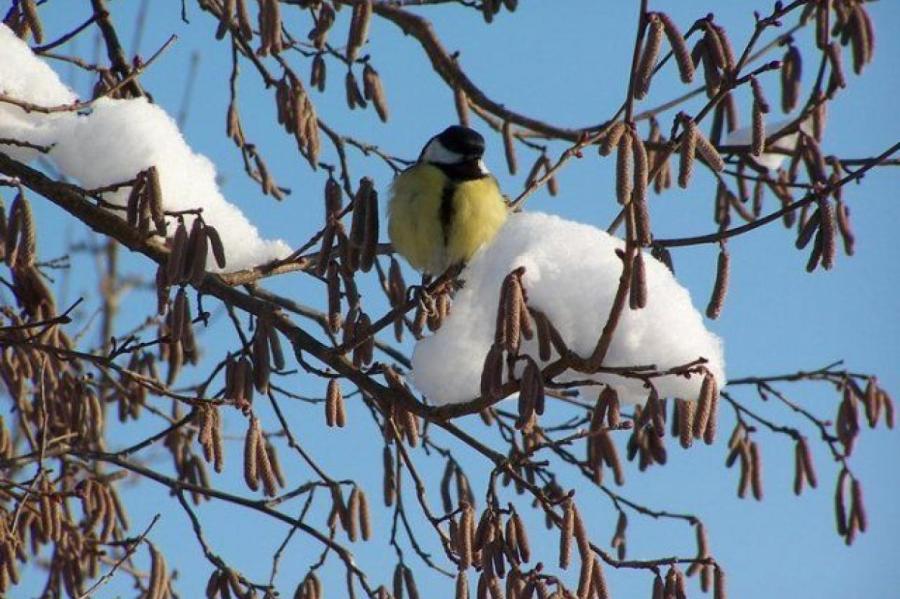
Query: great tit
[447, 205]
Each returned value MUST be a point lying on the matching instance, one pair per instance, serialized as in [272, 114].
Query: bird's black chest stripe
[447, 208]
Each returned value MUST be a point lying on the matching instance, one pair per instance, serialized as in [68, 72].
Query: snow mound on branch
[115, 139]
[786, 144]
[571, 274]
[132, 135]
[24, 77]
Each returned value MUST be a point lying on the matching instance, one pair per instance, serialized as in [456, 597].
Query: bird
[447, 205]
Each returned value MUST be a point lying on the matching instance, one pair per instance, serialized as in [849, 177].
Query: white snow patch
[787, 144]
[115, 139]
[571, 274]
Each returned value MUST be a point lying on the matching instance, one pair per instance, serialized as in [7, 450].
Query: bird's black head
[462, 140]
[454, 145]
[457, 151]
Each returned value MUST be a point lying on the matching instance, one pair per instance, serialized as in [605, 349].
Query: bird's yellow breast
[431, 238]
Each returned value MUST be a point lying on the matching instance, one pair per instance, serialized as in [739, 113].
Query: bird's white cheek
[436, 153]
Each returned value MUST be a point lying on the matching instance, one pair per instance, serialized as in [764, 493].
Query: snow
[769, 160]
[115, 139]
[571, 274]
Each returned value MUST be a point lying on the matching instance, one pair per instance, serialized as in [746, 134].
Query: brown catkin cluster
[400, 423]
[145, 203]
[454, 478]
[259, 461]
[333, 227]
[209, 435]
[31, 21]
[335, 412]
[760, 108]
[741, 447]
[359, 253]
[396, 293]
[325, 18]
[269, 22]
[358, 33]
[647, 437]
[266, 352]
[352, 93]
[804, 471]
[513, 323]
[854, 26]
[297, 115]
[714, 52]
[186, 263]
[373, 90]
[310, 588]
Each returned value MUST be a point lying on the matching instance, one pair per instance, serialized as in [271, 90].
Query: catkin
[260, 355]
[462, 585]
[581, 535]
[370, 232]
[225, 17]
[719, 591]
[688, 150]
[197, 250]
[827, 229]
[639, 197]
[758, 133]
[353, 96]
[836, 79]
[275, 347]
[332, 397]
[359, 28]
[637, 299]
[566, 532]
[857, 507]
[215, 242]
[251, 454]
[679, 48]
[624, 181]
[29, 10]
[23, 256]
[374, 91]
[791, 73]
[756, 472]
[860, 42]
[158, 577]
[522, 544]
[648, 57]
[584, 578]
[334, 298]
[686, 409]
[720, 287]
[514, 303]
[714, 45]
[809, 228]
[611, 139]
[466, 540]
[707, 150]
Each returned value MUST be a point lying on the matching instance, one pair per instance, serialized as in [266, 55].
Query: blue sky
[566, 63]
